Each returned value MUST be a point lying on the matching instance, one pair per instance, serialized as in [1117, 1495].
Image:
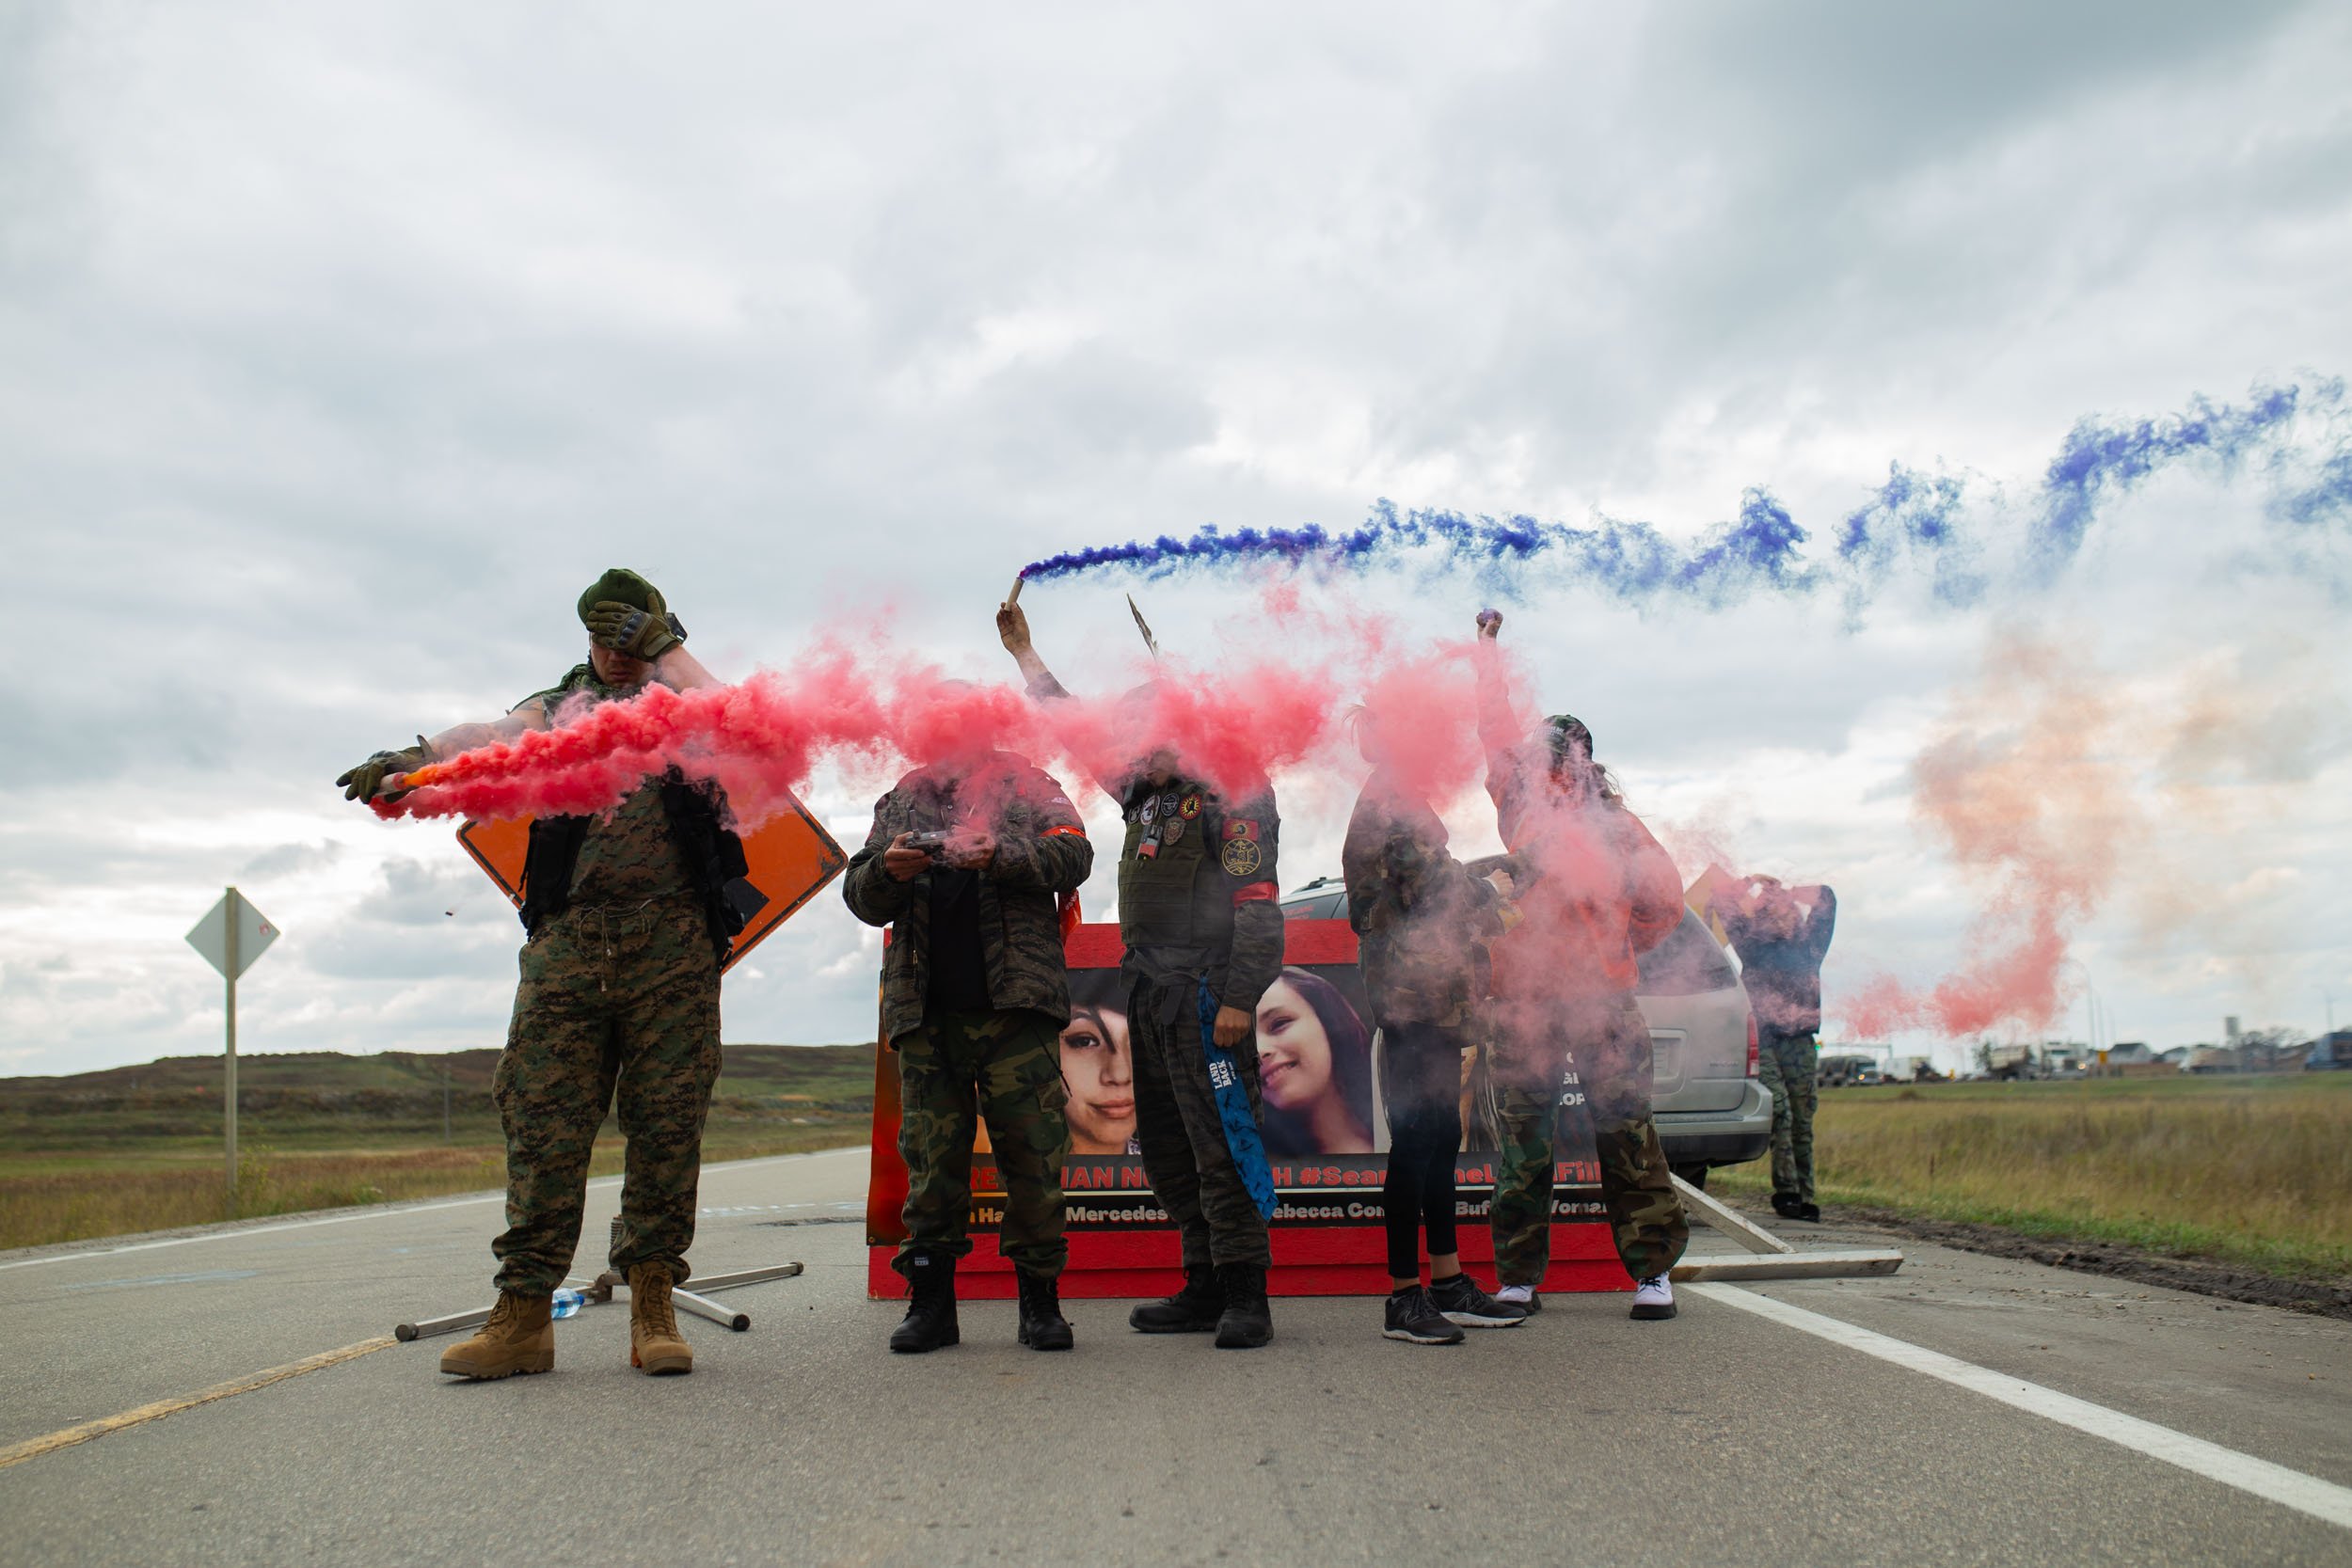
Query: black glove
[646, 634]
[366, 780]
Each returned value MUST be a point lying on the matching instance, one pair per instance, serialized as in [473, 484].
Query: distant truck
[1836, 1072]
[2010, 1063]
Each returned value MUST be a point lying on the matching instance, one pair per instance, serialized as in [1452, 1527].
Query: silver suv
[1711, 1108]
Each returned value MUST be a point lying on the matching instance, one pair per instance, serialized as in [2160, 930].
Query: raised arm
[682, 672]
[1112, 777]
[1822, 924]
[1012, 630]
[1499, 728]
[651, 634]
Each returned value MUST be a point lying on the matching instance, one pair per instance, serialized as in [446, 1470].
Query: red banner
[1326, 1136]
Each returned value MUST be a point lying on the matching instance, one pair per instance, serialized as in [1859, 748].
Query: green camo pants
[1181, 1135]
[1788, 1064]
[1609, 1044]
[1003, 1068]
[612, 1004]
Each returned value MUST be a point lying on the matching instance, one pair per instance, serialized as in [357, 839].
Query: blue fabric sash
[1242, 1136]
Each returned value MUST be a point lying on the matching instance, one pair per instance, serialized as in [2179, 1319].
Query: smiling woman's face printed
[1099, 1071]
[1294, 1051]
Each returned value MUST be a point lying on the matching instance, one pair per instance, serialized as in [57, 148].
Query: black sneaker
[1412, 1316]
[1809, 1212]
[1462, 1302]
[1786, 1205]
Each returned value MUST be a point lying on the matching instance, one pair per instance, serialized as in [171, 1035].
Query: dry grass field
[104, 1155]
[2253, 1170]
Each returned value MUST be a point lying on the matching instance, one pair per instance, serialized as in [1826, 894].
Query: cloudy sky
[340, 346]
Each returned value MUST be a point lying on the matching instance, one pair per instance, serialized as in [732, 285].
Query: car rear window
[1686, 962]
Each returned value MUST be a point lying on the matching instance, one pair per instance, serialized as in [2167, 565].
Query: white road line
[240, 1232]
[2321, 1499]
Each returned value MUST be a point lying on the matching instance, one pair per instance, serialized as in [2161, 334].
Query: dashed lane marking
[34, 1447]
[2321, 1499]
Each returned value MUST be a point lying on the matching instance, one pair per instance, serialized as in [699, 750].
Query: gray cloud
[341, 348]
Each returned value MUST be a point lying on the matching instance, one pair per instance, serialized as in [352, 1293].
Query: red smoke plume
[2028, 792]
[766, 736]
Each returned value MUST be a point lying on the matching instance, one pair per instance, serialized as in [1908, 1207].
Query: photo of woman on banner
[1098, 1066]
[1314, 1068]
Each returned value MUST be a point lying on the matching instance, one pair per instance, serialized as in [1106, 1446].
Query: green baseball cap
[622, 586]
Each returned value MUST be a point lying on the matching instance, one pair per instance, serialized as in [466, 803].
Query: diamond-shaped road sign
[211, 936]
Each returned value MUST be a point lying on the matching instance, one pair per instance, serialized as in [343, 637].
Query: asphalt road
[1581, 1437]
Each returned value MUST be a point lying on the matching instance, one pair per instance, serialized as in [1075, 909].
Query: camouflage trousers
[1788, 1064]
[1609, 1043]
[961, 1069]
[614, 1005]
[1182, 1134]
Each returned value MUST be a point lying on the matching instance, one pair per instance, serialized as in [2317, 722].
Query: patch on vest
[1240, 827]
[1241, 855]
[1172, 829]
[1189, 807]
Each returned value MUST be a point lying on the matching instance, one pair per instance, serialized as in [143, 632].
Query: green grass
[2255, 1171]
[140, 1149]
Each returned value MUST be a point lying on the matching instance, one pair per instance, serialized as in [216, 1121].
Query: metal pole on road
[229, 1098]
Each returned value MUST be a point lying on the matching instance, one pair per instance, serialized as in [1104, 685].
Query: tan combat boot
[520, 1337]
[654, 1342]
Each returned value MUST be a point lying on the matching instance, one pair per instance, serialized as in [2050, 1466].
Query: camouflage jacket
[1199, 894]
[1042, 851]
[1783, 976]
[1425, 920]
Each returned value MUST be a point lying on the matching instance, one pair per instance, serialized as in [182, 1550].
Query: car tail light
[1754, 1056]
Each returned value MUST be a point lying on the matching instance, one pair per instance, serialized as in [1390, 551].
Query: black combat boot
[1043, 1326]
[930, 1319]
[1191, 1310]
[1247, 1324]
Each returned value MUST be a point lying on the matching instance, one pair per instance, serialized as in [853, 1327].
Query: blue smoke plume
[1916, 520]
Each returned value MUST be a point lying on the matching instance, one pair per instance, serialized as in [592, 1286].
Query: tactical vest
[1172, 892]
[710, 854]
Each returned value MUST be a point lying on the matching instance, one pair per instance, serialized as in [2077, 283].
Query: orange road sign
[791, 858]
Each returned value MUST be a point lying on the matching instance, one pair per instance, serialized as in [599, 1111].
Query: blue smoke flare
[1914, 520]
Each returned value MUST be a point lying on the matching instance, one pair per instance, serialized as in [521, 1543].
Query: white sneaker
[1520, 1295]
[1654, 1298]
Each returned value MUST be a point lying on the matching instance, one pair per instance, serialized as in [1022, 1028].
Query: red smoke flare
[766, 736]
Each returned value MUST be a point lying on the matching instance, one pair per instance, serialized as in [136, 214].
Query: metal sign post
[230, 937]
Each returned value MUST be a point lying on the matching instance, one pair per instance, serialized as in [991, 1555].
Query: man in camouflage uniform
[1782, 935]
[630, 916]
[1592, 891]
[1203, 937]
[974, 995]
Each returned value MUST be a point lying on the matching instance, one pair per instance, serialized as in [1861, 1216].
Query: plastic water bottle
[567, 1301]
